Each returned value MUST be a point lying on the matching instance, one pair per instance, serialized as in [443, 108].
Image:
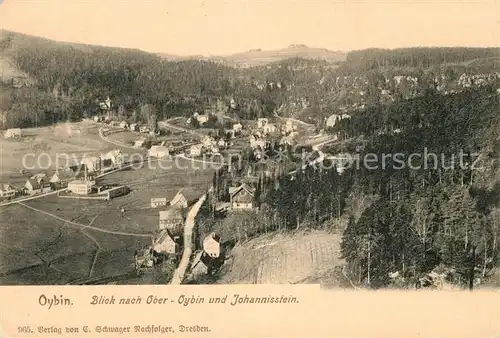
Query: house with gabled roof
[61, 178]
[179, 200]
[7, 191]
[165, 243]
[37, 183]
[212, 246]
[172, 218]
[242, 197]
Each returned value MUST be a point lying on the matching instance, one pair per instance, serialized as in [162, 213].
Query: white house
[195, 150]
[269, 128]
[134, 127]
[158, 202]
[211, 245]
[256, 142]
[237, 127]
[165, 244]
[7, 191]
[179, 200]
[221, 143]
[332, 119]
[289, 126]
[13, 133]
[202, 119]
[80, 187]
[124, 125]
[158, 151]
[208, 142]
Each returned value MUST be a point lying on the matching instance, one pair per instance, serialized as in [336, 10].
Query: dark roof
[234, 190]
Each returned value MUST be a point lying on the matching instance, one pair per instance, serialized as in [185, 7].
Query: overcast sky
[189, 27]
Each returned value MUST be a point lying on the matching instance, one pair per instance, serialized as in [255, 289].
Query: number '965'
[24, 329]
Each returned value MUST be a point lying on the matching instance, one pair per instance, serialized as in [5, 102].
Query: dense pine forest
[438, 212]
[63, 81]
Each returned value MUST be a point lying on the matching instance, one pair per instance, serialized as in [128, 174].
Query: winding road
[180, 272]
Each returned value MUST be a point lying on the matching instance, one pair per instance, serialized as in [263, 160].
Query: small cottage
[211, 245]
[124, 125]
[158, 152]
[195, 150]
[134, 127]
[165, 244]
[237, 127]
[7, 191]
[242, 197]
[179, 200]
[158, 202]
[269, 128]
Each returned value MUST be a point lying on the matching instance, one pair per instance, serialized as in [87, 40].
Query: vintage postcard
[213, 168]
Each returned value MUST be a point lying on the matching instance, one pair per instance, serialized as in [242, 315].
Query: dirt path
[180, 272]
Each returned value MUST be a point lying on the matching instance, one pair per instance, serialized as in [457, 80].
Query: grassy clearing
[39, 249]
[282, 259]
[59, 139]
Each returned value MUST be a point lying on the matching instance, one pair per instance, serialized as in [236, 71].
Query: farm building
[172, 219]
[158, 202]
[80, 187]
[61, 178]
[165, 244]
[241, 197]
[115, 192]
[179, 200]
[13, 133]
[158, 151]
[237, 127]
[7, 191]
[124, 125]
[211, 245]
[134, 127]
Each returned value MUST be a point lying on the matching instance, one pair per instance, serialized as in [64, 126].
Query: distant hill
[258, 57]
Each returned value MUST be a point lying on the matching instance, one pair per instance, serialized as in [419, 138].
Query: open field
[283, 259]
[53, 240]
[74, 139]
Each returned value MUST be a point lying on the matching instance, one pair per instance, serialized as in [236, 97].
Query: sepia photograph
[354, 145]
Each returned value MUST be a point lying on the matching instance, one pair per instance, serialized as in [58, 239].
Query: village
[90, 177]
